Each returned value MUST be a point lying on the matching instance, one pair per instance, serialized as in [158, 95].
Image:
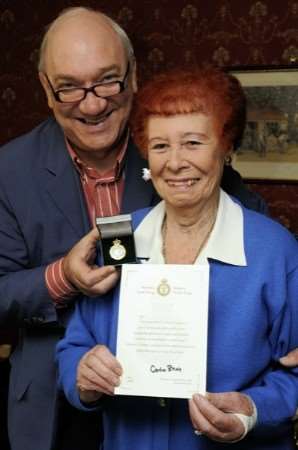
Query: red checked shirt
[103, 193]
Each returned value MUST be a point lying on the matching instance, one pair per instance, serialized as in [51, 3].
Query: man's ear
[46, 88]
[134, 81]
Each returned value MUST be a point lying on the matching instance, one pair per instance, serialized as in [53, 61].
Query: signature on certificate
[167, 368]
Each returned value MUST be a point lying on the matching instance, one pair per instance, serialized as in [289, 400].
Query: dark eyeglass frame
[121, 83]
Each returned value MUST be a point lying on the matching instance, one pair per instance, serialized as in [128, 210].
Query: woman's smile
[182, 183]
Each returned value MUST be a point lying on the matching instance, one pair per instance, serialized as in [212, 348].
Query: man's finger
[97, 275]
[106, 284]
[98, 281]
[92, 237]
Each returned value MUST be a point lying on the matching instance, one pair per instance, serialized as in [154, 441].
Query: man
[53, 182]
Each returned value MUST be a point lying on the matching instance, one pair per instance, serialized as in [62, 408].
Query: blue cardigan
[253, 313]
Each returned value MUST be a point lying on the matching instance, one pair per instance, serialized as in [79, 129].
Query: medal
[117, 251]
[114, 251]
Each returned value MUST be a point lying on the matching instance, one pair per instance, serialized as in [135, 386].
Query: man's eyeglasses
[104, 90]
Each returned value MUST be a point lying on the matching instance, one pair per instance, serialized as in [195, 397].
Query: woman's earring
[228, 160]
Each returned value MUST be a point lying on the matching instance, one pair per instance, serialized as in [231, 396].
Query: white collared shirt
[225, 243]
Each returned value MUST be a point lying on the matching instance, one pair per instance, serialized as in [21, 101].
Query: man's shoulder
[233, 184]
[30, 142]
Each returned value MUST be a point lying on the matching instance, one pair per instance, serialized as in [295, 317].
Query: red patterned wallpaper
[165, 33]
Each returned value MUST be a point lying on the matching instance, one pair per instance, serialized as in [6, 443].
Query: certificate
[162, 330]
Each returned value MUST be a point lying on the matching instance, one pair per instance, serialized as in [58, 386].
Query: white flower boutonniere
[146, 174]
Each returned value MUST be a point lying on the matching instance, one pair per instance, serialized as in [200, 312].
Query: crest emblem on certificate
[163, 288]
[117, 250]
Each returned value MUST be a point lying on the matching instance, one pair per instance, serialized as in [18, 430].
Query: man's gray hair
[76, 11]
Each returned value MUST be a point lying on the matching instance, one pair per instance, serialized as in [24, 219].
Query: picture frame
[269, 150]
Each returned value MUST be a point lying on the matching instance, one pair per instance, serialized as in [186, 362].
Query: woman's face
[186, 158]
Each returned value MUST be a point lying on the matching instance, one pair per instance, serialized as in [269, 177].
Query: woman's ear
[228, 156]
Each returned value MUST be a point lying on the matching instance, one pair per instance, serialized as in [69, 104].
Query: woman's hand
[98, 373]
[211, 415]
[291, 359]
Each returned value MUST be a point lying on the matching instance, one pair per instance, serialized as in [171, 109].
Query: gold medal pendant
[117, 251]
[113, 250]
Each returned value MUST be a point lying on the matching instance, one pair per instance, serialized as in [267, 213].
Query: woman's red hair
[206, 90]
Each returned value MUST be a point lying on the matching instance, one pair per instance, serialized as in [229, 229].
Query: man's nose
[92, 104]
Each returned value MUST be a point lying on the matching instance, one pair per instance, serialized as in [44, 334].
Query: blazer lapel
[137, 192]
[62, 182]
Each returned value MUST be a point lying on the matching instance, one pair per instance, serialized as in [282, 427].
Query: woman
[187, 125]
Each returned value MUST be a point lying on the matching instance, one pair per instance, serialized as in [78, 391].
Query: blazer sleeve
[79, 339]
[42, 215]
[24, 298]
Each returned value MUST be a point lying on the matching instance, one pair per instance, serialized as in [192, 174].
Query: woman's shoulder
[258, 219]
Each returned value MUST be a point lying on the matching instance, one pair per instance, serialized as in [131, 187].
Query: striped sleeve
[59, 288]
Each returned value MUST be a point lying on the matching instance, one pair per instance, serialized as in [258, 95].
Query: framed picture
[269, 150]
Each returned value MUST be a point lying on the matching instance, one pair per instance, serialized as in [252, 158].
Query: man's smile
[95, 120]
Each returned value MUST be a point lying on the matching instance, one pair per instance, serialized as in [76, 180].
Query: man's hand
[291, 359]
[211, 416]
[80, 270]
[98, 373]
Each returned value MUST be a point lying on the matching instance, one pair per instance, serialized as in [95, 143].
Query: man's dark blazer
[42, 215]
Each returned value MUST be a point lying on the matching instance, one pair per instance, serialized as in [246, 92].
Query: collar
[228, 223]
[86, 171]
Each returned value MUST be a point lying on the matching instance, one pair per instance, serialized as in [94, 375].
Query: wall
[165, 33]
